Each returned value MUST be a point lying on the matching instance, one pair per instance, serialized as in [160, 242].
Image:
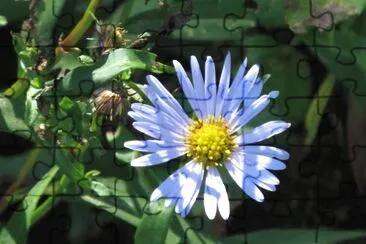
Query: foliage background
[314, 51]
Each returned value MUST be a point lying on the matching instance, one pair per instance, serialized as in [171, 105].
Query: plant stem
[27, 167]
[81, 27]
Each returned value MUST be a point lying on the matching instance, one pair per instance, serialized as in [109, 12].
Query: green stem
[46, 206]
[129, 218]
[81, 27]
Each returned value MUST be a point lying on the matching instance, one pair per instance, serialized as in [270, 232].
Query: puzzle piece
[323, 185]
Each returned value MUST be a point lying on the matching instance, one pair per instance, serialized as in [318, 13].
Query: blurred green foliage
[311, 49]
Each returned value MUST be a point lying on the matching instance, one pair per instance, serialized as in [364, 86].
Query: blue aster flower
[211, 140]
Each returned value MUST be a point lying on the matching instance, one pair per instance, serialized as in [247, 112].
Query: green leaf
[316, 109]
[21, 220]
[270, 13]
[83, 80]
[5, 236]
[100, 188]
[47, 15]
[155, 224]
[9, 122]
[298, 236]
[323, 13]
[70, 59]
[73, 169]
[32, 114]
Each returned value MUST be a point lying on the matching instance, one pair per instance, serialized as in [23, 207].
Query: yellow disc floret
[209, 142]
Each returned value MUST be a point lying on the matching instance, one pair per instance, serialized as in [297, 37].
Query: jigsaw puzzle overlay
[74, 91]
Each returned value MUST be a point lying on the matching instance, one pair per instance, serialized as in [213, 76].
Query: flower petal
[238, 90]
[158, 157]
[210, 85]
[210, 196]
[158, 132]
[173, 184]
[159, 119]
[223, 86]
[254, 93]
[262, 132]
[162, 92]
[266, 151]
[263, 162]
[254, 109]
[263, 185]
[244, 182]
[150, 145]
[145, 110]
[188, 192]
[162, 105]
[199, 86]
[188, 90]
[267, 177]
[216, 188]
[189, 206]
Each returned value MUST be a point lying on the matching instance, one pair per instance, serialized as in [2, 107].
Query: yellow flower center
[209, 142]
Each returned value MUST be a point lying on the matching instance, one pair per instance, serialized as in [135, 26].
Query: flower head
[210, 140]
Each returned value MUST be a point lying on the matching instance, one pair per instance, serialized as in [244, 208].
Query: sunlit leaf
[21, 220]
[10, 122]
[83, 80]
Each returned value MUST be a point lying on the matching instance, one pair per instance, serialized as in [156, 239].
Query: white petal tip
[135, 164]
[154, 199]
[128, 144]
[274, 94]
[148, 77]
[226, 217]
[176, 64]
[259, 199]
